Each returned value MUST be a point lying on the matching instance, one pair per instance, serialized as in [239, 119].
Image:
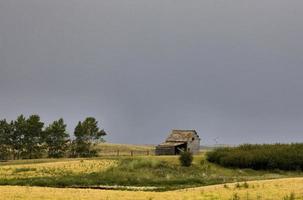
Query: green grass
[163, 172]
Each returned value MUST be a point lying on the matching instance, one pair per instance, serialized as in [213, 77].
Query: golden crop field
[55, 168]
[268, 189]
[123, 147]
[104, 149]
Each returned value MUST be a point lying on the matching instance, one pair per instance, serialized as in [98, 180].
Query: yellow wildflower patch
[55, 168]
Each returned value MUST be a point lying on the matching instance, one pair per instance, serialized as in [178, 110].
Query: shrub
[245, 185]
[260, 157]
[4, 152]
[290, 197]
[235, 197]
[186, 158]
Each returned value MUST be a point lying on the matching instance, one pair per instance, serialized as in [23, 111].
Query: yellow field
[268, 189]
[55, 168]
[123, 149]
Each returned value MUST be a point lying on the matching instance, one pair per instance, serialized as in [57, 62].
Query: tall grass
[255, 156]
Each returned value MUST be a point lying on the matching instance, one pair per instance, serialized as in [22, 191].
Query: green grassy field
[153, 172]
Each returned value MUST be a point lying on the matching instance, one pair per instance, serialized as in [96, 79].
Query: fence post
[147, 152]
[131, 153]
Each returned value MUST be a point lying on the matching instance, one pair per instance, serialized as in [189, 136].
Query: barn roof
[170, 144]
[181, 135]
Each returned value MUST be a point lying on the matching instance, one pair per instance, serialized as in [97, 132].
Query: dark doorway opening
[180, 148]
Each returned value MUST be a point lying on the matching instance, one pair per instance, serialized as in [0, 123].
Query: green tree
[34, 138]
[87, 133]
[56, 139]
[80, 145]
[19, 127]
[5, 148]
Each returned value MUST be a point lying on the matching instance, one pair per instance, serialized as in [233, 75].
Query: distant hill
[124, 149]
[211, 147]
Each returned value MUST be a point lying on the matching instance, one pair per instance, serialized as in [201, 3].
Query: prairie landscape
[46, 163]
[142, 177]
[151, 100]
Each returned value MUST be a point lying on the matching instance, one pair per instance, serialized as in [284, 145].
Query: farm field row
[266, 189]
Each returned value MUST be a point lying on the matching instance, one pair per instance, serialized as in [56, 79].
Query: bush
[260, 157]
[235, 197]
[186, 158]
[290, 197]
[4, 152]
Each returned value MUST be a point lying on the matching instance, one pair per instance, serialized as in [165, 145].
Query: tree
[34, 137]
[87, 133]
[80, 145]
[19, 127]
[56, 139]
[5, 149]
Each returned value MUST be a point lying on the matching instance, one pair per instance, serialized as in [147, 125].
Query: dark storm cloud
[230, 69]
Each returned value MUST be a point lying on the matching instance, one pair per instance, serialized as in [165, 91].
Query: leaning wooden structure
[178, 141]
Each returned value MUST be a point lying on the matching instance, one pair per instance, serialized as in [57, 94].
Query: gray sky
[232, 70]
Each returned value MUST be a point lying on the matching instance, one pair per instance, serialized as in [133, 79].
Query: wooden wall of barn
[160, 150]
[194, 145]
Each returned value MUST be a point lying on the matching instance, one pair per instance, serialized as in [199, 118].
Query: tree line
[260, 156]
[27, 138]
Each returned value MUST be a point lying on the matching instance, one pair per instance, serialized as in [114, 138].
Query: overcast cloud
[232, 70]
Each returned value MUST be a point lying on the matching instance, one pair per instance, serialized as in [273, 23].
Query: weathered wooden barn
[178, 141]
